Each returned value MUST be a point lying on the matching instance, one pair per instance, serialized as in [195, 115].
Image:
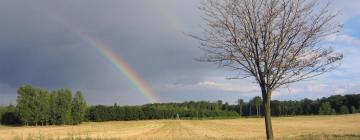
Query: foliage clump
[38, 106]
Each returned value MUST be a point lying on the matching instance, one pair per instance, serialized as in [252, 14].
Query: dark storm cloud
[38, 45]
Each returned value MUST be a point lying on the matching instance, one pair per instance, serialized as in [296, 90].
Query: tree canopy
[38, 106]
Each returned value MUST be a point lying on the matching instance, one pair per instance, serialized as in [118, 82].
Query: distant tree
[257, 102]
[352, 100]
[337, 101]
[326, 109]
[219, 105]
[354, 110]
[276, 108]
[78, 108]
[344, 109]
[9, 116]
[226, 106]
[240, 104]
[307, 106]
[250, 106]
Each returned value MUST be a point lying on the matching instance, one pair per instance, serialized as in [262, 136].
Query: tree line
[185, 110]
[38, 106]
[336, 104]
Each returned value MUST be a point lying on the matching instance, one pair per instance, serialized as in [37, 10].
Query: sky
[50, 44]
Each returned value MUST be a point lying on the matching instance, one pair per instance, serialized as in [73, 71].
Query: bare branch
[274, 41]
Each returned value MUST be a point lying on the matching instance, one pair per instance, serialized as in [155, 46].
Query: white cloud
[229, 87]
[317, 87]
[340, 91]
[288, 91]
[219, 84]
[347, 88]
[343, 39]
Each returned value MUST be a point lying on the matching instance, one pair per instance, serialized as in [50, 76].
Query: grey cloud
[37, 46]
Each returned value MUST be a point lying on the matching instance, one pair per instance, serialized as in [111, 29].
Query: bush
[10, 118]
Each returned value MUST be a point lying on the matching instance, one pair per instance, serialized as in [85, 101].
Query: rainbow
[115, 59]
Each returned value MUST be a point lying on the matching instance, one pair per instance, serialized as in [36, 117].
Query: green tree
[240, 104]
[9, 116]
[219, 105]
[54, 113]
[344, 110]
[354, 110]
[33, 105]
[257, 102]
[306, 106]
[61, 103]
[25, 106]
[326, 109]
[337, 101]
[78, 108]
[250, 106]
[43, 106]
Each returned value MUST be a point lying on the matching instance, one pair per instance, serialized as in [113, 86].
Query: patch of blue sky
[352, 27]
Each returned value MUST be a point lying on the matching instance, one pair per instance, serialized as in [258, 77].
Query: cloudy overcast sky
[38, 47]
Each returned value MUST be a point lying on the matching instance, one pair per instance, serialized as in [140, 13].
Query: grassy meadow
[337, 127]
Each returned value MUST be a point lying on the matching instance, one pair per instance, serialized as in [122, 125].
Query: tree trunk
[267, 114]
[240, 111]
[250, 110]
[259, 110]
[256, 110]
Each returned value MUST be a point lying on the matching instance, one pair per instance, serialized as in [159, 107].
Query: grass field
[303, 127]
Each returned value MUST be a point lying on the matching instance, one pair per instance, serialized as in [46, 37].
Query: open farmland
[344, 126]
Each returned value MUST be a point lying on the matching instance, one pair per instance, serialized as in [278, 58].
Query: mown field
[337, 127]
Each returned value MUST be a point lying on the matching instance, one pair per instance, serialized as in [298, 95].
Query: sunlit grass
[337, 127]
[302, 137]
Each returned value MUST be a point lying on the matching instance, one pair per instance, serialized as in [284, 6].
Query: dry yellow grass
[243, 128]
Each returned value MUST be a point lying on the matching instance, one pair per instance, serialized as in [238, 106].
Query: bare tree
[276, 42]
